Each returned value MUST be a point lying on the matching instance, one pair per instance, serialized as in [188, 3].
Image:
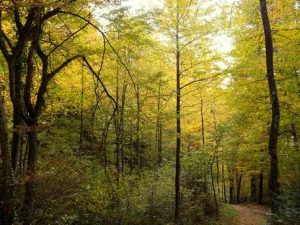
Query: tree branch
[17, 17]
[109, 43]
[3, 47]
[200, 80]
[100, 81]
[50, 14]
[68, 38]
[63, 65]
[29, 79]
[194, 39]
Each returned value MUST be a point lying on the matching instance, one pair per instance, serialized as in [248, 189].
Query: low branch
[63, 65]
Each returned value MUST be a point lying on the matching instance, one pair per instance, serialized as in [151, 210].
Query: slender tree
[274, 129]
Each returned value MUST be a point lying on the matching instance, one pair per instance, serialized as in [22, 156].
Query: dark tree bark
[6, 200]
[239, 186]
[274, 129]
[28, 205]
[231, 186]
[260, 188]
[253, 185]
[15, 145]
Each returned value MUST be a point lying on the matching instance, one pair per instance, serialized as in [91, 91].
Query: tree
[27, 95]
[274, 129]
[6, 206]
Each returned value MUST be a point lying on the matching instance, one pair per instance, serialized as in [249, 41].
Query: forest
[149, 112]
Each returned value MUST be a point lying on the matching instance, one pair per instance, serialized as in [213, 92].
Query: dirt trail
[251, 214]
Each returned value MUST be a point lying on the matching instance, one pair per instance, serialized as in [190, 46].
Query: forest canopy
[149, 112]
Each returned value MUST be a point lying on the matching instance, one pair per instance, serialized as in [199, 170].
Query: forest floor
[250, 214]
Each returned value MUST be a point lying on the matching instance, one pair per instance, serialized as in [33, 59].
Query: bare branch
[63, 65]
[194, 39]
[109, 43]
[200, 80]
[100, 81]
[68, 38]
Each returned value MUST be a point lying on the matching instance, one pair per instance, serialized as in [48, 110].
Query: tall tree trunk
[213, 186]
[15, 145]
[253, 196]
[28, 204]
[6, 208]
[239, 186]
[202, 125]
[16, 88]
[138, 150]
[217, 177]
[122, 125]
[224, 185]
[261, 188]
[204, 162]
[178, 123]
[159, 126]
[81, 118]
[117, 129]
[274, 130]
[231, 185]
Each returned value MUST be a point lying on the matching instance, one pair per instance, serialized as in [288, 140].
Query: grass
[227, 215]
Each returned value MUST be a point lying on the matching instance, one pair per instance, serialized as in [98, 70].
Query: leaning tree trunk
[274, 129]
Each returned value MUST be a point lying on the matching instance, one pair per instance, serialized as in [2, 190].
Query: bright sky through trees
[222, 42]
